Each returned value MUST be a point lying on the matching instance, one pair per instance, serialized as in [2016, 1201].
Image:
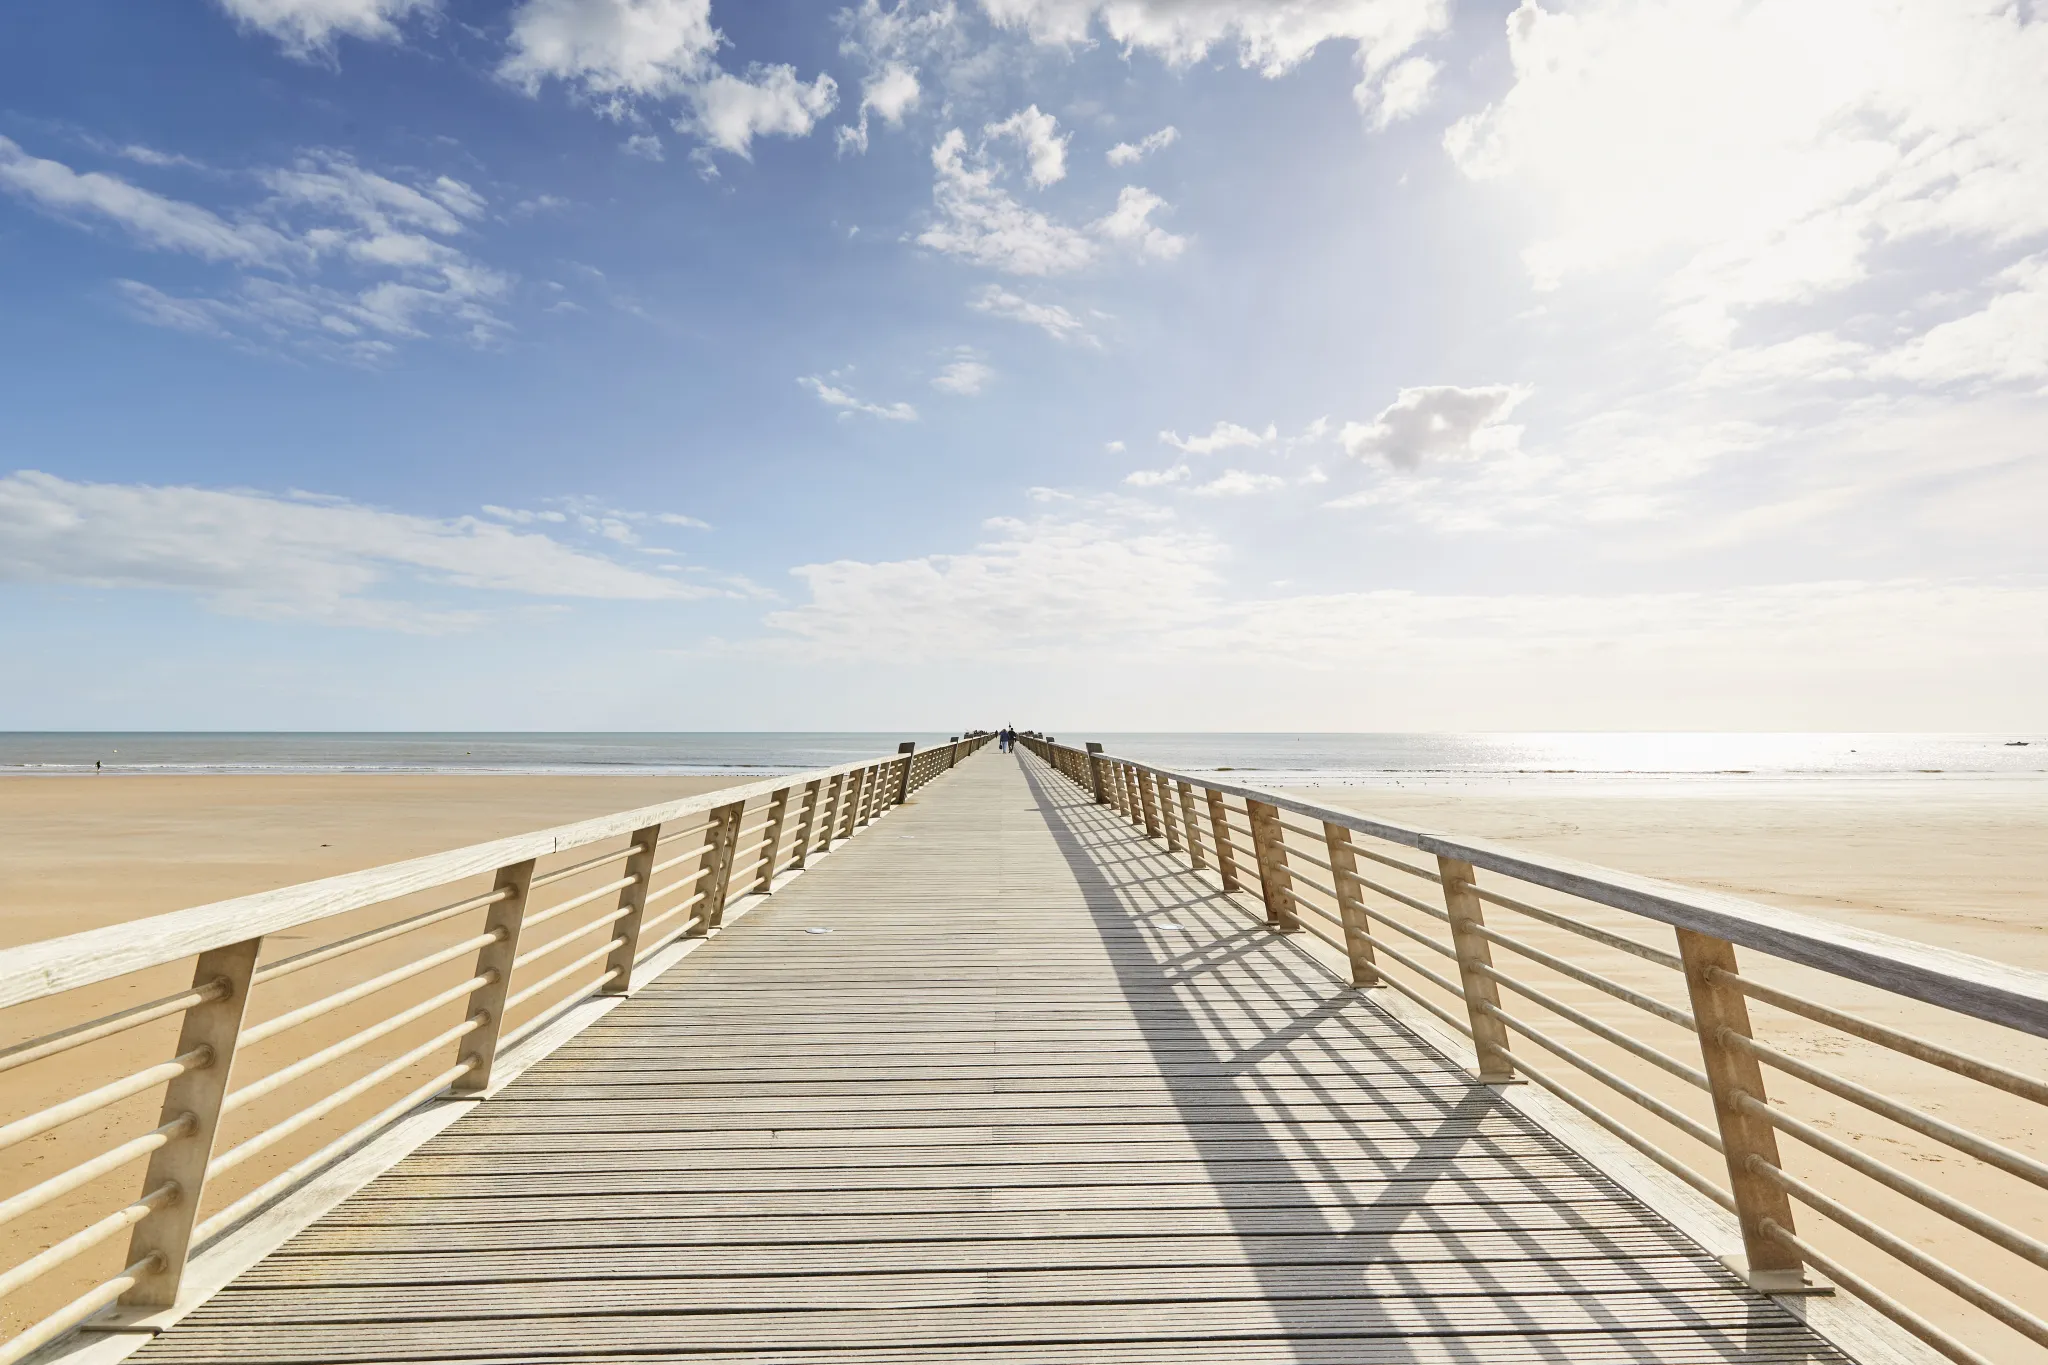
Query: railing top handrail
[2016, 997]
[34, 971]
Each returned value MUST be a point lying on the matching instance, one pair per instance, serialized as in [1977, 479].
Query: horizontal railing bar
[1383, 860]
[1648, 1003]
[84, 1240]
[698, 852]
[655, 945]
[574, 903]
[562, 874]
[1875, 1297]
[278, 1132]
[556, 1010]
[2001, 993]
[1984, 1149]
[85, 1172]
[53, 1044]
[38, 970]
[94, 1100]
[1582, 929]
[313, 957]
[1433, 911]
[276, 1080]
[78, 1310]
[1310, 882]
[1625, 1133]
[568, 969]
[669, 836]
[1654, 1056]
[270, 1028]
[561, 941]
[1416, 997]
[1919, 1049]
[1416, 934]
[292, 1175]
[1683, 1122]
[1381, 945]
[1921, 1193]
[1947, 1276]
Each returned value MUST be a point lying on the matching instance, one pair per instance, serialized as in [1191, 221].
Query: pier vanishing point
[952, 1055]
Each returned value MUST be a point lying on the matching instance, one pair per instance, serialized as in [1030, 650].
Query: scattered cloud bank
[1224, 436]
[966, 375]
[1438, 422]
[980, 221]
[1272, 37]
[298, 556]
[307, 29]
[621, 55]
[832, 395]
[1051, 318]
[333, 259]
[1130, 153]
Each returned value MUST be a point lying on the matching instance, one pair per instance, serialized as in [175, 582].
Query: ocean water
[1262, 759]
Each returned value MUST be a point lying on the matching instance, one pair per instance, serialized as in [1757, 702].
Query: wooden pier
[1007, 1079]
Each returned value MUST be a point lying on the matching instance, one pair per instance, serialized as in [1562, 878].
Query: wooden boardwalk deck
[1035, 1094]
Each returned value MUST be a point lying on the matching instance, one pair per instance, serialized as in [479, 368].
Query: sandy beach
[1958, 863]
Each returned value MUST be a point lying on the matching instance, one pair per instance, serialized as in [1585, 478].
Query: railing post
[806, 823]
[633, 900]
[1095, 772]
[1192, 826]
[1148, 802]
[771, 841]
[166, 1233]
[908, 746]
[1482, 996]
[494, 960]
[715, 879]
[833, 796]
[1133, 810]
[1219, 830]
[850, 817]
[1269, 847]
[1719, 1011]
[1166, 819]
[1350, 905]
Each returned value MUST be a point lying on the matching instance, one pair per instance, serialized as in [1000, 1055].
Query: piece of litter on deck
[817, 931]
[1182, 927]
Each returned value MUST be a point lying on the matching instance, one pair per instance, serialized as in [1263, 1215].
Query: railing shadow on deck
[1126, 884]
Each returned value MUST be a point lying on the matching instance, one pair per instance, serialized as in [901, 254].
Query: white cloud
[833, 396]
[968, 375]
[2004, 341]
[1050, 318]
[1272, 36]
[1402, 93]
[646, 146]
[152, 220]
[1130, 222]
[309, 27]
[1238, 483]
[890, 93]
[1153, 478]
[731, 111]
[1225, 436]
[258, 554]
[1038, 135]
[1129, 153]
[681, 519]
[1438, 422]
[1113, 447]
[1708, 131]
[611, 50]
[983, 223]
[392, 244]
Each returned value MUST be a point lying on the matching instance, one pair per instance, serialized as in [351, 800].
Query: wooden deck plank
[1038, 1096]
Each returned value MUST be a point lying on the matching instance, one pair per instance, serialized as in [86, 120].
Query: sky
[1127, 364]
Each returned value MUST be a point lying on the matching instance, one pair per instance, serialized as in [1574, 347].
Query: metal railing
[1537, 994]
[403, 1002]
